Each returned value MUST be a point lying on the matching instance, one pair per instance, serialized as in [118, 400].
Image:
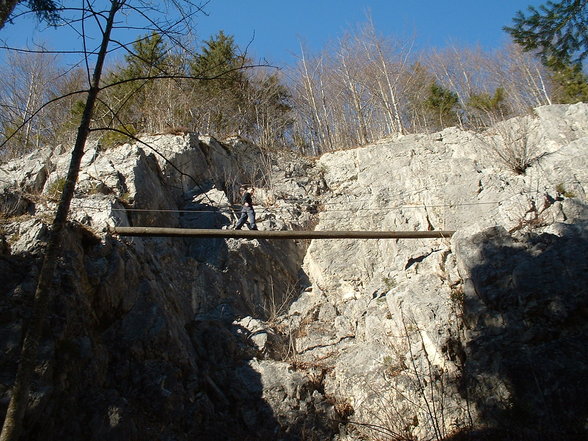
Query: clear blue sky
[279, 26]
[275, 28]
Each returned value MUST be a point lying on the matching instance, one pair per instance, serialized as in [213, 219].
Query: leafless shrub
[391, 418]
[276, 304]
[512, 144]
[414, 395]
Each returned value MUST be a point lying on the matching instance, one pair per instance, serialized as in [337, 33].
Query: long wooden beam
[270, 234]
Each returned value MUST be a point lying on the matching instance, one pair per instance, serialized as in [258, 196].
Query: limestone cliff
[480, 335]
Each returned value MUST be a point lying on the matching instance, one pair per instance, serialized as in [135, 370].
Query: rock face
[477, 336]
[143, 339]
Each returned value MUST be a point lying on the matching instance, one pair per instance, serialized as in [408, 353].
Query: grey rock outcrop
[406, 326]
[477, 336]
[144, 339]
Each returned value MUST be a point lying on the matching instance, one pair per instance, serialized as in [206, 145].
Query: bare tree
[310, 93]
[462, 71]
[525, 78]
[269, 105]
[351, 73]
[105, 24]
[25, 82]
[472, 72]
[357, 95]
[389, 63]
[374, 86]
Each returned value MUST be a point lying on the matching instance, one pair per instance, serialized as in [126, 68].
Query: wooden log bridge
[282, 234]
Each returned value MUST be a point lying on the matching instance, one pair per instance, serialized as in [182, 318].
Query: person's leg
[241, 220]
[251, 214]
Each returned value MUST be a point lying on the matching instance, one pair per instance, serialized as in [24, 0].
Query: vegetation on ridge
[364, 87]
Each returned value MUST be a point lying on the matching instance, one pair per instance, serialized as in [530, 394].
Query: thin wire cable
[271, 209]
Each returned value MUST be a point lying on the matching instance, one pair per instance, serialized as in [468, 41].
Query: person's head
[250, 190]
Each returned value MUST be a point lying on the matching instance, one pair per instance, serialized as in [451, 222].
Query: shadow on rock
[233, 411]
[526, 308]
[251, 399]
[123, 357]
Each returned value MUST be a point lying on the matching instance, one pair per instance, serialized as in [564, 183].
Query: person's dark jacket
[247, 199]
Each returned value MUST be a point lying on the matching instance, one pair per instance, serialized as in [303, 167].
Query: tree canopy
[557, 30]
[443, 103]
[45, 9]
[219, 59]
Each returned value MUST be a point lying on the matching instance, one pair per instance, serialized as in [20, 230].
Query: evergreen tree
[128, 105]
[486, 102]
[486, 108]
[558, 30]
[220, 62]
[46, 10]
[419, 79]
[223, 86]
[443, 103]
[149, 57]
[570, 83]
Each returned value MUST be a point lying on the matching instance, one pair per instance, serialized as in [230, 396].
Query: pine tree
[220, 62]
[570, 83]
[419, 79]
[559, 34]
[486, 108]
[128, 104]
[443, 103]
[223, 85]
[46, 10]
[556, 30]
[149, 57]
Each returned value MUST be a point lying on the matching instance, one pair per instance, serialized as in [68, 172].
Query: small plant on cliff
[125, 198]
[393, 365]
[561, 189]
[275, 304]
[457, 295]
[511, 144]
[114, 138]
[389, 283]
[55, 189]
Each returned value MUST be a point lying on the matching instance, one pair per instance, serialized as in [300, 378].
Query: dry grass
[511, 143]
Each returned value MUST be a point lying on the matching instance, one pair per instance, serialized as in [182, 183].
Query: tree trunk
[386, 73]
[312, 100]
[355, 95]
[20, 392]
[328, 137]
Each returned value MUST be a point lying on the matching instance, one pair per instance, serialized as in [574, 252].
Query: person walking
[247, 212]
